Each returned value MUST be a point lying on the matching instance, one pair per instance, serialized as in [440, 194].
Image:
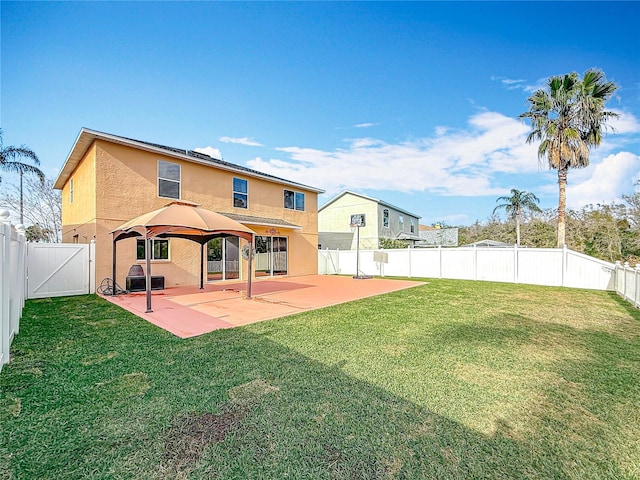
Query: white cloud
[211, 151]
[452, 162]
[365, 125]
[241, 141]
[625, 123]
[606, 180]
[480, 160]
[454, 219]
[519, 84]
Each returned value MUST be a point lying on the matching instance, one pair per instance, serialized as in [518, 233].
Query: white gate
[59, 269]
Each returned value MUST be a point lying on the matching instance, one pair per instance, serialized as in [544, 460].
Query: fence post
[5, 253]
[440, 260]
[636, 301]
[515, 263]
[409, 255]
[624, 286]
[475, 261]
[21, 270]
[92, 266]
[564, 263]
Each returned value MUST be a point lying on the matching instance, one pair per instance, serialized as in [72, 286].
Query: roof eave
[266, 224]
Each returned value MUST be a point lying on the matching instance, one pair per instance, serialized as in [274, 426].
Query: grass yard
[451, 380]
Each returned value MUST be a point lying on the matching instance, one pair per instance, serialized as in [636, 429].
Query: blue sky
[414, 103]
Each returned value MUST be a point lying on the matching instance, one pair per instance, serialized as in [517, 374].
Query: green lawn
[449, 380]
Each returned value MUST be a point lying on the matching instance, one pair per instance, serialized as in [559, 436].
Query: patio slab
[189, 311]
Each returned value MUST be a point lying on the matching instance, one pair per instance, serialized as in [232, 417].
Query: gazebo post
[202, 246]
[148, 279]
[113, 264]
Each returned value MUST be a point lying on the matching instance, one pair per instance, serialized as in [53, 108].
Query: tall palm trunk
[562, 204]
[518, 227]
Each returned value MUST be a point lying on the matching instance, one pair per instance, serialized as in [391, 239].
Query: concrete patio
[189, 311]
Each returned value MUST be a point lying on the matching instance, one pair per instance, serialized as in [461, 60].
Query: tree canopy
[10, 156]
[568, 117]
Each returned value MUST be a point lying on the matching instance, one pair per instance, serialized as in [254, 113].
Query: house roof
[86, 137]
[488, 243]
[408, 236]
[262, 221]
[366, 197]
[425, 228]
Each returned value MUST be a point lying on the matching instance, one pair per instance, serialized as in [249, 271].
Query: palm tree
[568, 118]
[9, 163]
[516, 205]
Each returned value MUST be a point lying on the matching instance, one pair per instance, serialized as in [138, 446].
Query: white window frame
[71, 191]
[234, 191]
[385, 218]
[295, 200]
[153, 242]
[179, 181]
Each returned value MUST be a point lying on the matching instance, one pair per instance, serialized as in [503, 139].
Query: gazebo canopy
[183, 220]
[180, 220]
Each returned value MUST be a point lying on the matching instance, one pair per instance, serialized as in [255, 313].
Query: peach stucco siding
[114, 183]
[83, 208]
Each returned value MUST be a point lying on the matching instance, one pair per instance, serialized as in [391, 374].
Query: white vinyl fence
[536, 266]
[37, 270]
[628, 282]
[13, 249]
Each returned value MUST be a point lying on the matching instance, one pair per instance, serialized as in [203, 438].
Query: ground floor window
[159, 249]
[223, 259]
[271, 256]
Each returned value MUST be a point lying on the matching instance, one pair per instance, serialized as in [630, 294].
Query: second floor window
[413, 226]
[168, 180]
[293, 200]
[385, 218]
[71, 191]
[401, 222]
[240, 193]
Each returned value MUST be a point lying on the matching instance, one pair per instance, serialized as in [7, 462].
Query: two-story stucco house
[382, 220]
[108, 180]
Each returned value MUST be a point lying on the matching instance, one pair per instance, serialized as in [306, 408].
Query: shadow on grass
[95, 392]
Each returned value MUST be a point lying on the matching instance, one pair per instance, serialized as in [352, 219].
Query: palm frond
[9, 160]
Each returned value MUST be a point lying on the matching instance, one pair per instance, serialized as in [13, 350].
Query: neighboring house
[436, 236]
[382, 220]
[108, 180]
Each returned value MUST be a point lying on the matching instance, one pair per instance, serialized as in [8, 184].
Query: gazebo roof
[184, 220]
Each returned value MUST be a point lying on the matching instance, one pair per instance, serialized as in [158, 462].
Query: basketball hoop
[357, 221]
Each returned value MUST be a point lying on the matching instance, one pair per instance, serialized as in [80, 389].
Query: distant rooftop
[361, 195]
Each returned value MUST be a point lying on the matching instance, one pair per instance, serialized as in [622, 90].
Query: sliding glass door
[271, 256]
[223, 259]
